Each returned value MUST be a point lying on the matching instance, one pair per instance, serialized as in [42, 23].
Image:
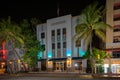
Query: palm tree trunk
[91, 53]
[91, 60]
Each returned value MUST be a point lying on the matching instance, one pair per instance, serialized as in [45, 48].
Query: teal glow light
[68, 53]
[49, 54]
[81, 52]
[39, 55]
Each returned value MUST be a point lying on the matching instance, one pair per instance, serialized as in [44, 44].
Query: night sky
[42, 9]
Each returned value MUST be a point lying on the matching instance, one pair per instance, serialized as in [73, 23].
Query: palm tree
[97, 55]
[91, 23]
[11, 32]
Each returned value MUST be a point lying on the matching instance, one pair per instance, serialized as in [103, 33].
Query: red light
[3, 51]
[4, 57]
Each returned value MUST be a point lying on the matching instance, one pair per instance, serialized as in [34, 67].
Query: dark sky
[42, 9]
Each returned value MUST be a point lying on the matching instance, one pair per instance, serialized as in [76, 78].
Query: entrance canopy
[56, 59]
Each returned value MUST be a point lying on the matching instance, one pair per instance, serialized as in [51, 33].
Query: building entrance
[60, 66]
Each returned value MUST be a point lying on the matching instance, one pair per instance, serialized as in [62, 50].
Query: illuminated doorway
[60, 66]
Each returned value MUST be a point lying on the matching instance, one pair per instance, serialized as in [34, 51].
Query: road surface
[51, 76]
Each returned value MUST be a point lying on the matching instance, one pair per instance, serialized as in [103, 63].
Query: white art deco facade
[60, 52]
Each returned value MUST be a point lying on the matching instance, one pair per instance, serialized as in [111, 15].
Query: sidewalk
[59, 72]
[65, 75]
[81, 75]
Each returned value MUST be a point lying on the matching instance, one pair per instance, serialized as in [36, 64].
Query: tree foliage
[90, 24]
[97, 55]
[9, 30]
[32, 45]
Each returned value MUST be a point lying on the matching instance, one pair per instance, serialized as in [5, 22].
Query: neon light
[3, 50]
[39, 55]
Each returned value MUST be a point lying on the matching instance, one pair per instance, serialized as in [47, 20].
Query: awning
[57, 59]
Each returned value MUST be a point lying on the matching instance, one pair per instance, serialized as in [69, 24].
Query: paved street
[41, 78]
[44, 78]
[51, 76]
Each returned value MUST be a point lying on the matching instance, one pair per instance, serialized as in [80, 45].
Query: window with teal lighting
[39, 55]
[81, 52]
[50, 55]
[68, 53]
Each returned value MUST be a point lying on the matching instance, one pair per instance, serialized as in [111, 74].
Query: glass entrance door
[60, 66]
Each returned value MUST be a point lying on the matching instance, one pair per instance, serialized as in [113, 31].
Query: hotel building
[113, 36]
[61, 52]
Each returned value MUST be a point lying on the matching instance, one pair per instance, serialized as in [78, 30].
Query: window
[58, 32]
[53, 51]
[64, 44]
[58, 45]
[116, 28]
[64, 34]
[116, 5]
[116, 39]
[42, 35]
[53, 35]
[58, 35]
[116, 17]
[116, 54]
[64, 52]
[58, 53]
[64, 31]
[53, 45]
[53, 32]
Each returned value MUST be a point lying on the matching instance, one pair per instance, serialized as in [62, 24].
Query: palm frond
[88, 39]
[100, 26]
[17, 38]
[81, 34]
[80, 27]
[10, 30]
[101, 35]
